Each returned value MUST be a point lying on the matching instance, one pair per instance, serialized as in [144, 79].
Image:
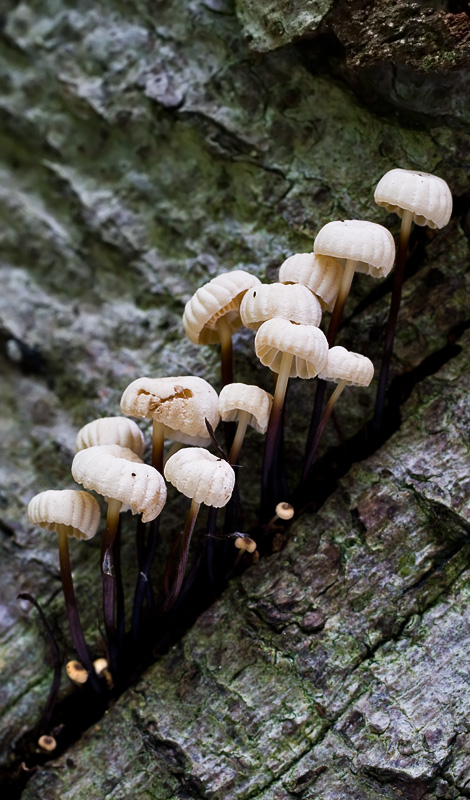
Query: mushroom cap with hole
[221, 297]
[427, 196]
[306, 343]
[118, 473]
[75, 510]
[180, 404]
[111, 430]
[203, 477]
[321, 275]
[47, 743]
[370, 245]
[343, 365]
[289, 301]
[284, 510]
[76, 672]
[236, 397]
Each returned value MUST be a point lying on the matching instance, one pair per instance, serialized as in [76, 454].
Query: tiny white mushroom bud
[245, 543]
[76, 672]
[47, 743]
[284, 511]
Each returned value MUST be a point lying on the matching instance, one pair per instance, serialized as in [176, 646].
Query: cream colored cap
[221, 297]
[370, 245]
[76, 672]
[111, 430]
[118, 473]
[180, 404]
[236, 397]
[293, 302]
[427, 196]
[245, 543]
[342, 365]
[77, 511]
[198, 474]
[47, 743]
[321, 275]
[306, 343]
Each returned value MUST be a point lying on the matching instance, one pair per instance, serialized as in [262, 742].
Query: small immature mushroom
[111, 430]
[101, 667]
[247, 405]
[245, 543]
[178, 407]
[68, 513]
[284, 511]
[291, 351]
[47, 743]
[204, 478]
[76, 672]
[416, 197]
[321, 275]
[213, 313]
[124, 480]
[346, 369]
[289, 301]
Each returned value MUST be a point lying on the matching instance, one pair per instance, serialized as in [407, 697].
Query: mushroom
[125, 481]
[68, 513]
[245, 543]
[204, 478]
[213, 314]
[289, 301]
[247, 405]
[178, 407]
[321, 275]
[76, 672]
[346, 369]
[47, 743]
[292, 351]
[111, 430]
[416, 197]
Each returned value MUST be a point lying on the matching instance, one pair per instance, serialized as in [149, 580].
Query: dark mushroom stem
[108, 576]
[143, 586]
[322, 424]
[225, 335]
[333, 327]
[72, 609]
[405, 231]
[179, 555]
[272, 434]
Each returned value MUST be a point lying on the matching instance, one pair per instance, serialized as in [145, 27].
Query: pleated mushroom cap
[77, 511]
[342, 365]
[180, 404]
[306, 343]
[118, 473]
[221, 297]
[268, 300]
[236, 397]
[201, 476]
[321, 275]
[370, 245]
[427, 196]
[111, 430]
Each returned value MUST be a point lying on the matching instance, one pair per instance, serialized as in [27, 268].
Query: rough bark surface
[144, 148]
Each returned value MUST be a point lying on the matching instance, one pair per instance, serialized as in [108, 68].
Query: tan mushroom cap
[180, 404]
[111, 430]
[289, 301]
[221, 297]
[118, 473]
[321, 275]
[201, 476]
[75, 510]
[370, 245]
[76, 672]
[342, 365]
[306, 343]
[236, 397]
[245, 543]
[47, 743]
[427, 196]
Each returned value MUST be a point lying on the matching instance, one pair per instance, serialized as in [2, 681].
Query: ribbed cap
[293, 302]
[78, 511]
[427, 196]
[306, 343]
[202, 476]
[236, 397]
[321, 275]
[221, 297]
[342, 365]
[370, 245]
[111, 430]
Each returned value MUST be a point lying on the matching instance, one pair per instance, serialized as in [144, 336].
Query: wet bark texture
[144, 147]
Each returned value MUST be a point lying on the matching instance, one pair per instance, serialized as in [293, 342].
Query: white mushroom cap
[236, 397]
[342, 365]
[198, 474]
[321, 275]
[180, 404]
[118, 473]
[293, 302]
[306, 343]
[427, 196]
[77, 511]
[221, 297]
[111, 430]
[370, 245]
